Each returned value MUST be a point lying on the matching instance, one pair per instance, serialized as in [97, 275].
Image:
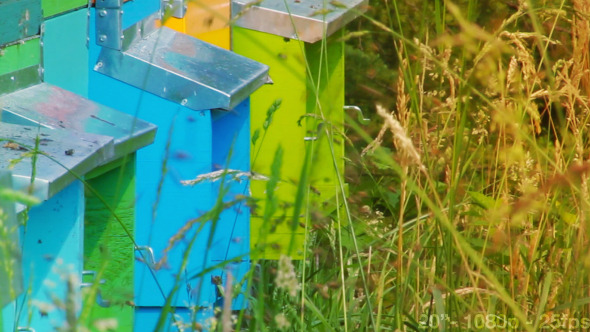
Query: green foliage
[468, 194]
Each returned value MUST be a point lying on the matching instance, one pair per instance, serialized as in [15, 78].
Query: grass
[489, 222]
[469, 200]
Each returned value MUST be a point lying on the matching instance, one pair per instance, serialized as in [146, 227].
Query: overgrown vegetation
[473, 195]
[469, 200]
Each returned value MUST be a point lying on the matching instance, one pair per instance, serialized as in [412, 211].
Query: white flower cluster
[286, 277]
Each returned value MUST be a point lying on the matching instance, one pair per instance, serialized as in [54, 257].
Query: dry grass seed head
[400, 138]
[402, 97]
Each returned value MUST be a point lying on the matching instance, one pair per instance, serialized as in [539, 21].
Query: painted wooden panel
[20, 56]
[10, 264]
[19, 19]
[135, 11]
[147, 319]
[65, 55]
[269, 241]
[239, 274]
[231, 150]
[287, 70]
[207, 20]
[181, 151]
[319, 92]
[286, 60]
[52, 260]
[326, 63]
[107, 245]
[55, 7]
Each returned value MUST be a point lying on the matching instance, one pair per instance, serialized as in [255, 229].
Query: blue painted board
[65, 55]
[52, 252]
[231, 149]
[239, 272]
[135, 11]
[147, 318]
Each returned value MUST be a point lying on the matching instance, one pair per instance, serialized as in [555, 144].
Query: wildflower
[286, 277]
[211, 323]
[106, 324]
[282, 322]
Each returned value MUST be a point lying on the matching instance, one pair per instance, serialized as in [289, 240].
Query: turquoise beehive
[197, 94]
[56, 141]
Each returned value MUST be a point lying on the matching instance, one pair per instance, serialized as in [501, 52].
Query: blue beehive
[76, 136]
[197, 95]
[73, 137]
[53, 235]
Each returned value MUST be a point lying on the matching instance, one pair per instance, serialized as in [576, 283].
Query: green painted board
[297, 90]
[65, 55]
[327, 82]
[55, 7]
[270, 245]
[20, 56]
[106, 244]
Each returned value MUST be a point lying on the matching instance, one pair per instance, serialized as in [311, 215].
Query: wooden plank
[52, 256]
[207, 20]
[19, 19]
[275, 243]
[10, 265]
[65, 55]
[56, 7]
[19, 56]
[287, 70]
[231, 149]
[106, 243]
[326, 62]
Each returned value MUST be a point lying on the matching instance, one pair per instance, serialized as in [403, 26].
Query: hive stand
[301, 45]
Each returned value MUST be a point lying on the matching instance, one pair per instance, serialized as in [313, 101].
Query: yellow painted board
[207, 20]
[178, 24]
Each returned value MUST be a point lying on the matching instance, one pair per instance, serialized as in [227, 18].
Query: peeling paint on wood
[19, 19]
